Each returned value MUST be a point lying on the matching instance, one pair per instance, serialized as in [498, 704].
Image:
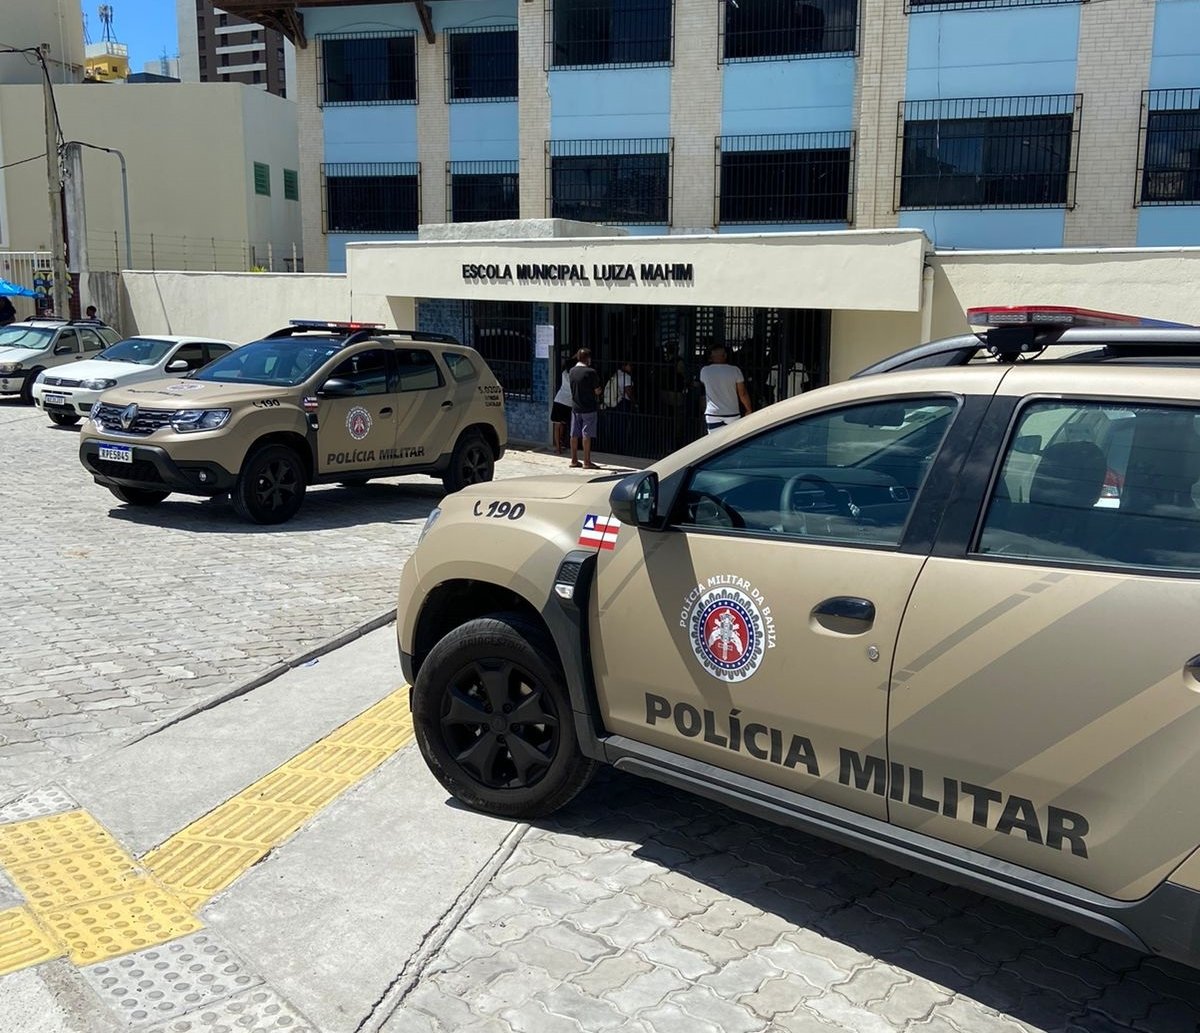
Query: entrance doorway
[781, 352]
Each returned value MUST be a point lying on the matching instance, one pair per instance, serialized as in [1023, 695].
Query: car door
[756, 632]
[426, 409]
[192, 353]
[92, 341]
[66, 347]
[1047, 678]
[357, 429]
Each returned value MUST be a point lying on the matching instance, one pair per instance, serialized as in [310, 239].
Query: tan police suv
[313, 403]
[947, 612]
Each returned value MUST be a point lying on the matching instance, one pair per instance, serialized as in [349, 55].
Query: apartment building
[983, 124]
[217, 46]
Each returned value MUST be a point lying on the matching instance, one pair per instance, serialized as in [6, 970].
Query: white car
[33, 345]
[67, 393]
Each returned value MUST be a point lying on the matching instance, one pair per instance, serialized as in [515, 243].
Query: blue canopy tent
[9, 289]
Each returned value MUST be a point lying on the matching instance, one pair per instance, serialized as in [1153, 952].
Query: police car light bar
[1057, 315]
[327, 324]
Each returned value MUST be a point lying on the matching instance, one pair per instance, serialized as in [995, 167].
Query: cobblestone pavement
[116, 619]
[643, 909]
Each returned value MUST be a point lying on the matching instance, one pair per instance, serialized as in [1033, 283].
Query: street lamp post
[124, 192]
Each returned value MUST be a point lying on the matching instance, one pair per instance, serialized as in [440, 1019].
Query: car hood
[190, 394]
[100, 369]
[8, 355]
[550, 486]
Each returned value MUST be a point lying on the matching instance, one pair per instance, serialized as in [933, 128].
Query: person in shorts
[585, 406]
[560, 410]
[725, 393]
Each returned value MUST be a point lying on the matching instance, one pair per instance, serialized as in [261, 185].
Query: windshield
[35, 337]
[281, 362]
[143, 350]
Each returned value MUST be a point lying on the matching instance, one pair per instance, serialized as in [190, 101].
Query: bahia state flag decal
[599, 532]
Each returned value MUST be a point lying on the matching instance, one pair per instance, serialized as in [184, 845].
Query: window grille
[477, 191]
[368, 68]
[481, 64]
[502, 332]
[766, 30]
[1169, 148]
[988, 152]
[921, 6]
[582, 33]
[788, 178]
[624, 182]
[372, 197]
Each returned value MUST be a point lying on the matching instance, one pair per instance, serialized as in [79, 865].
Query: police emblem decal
[729, 628]
[358, 423]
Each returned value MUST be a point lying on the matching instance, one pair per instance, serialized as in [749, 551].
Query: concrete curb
[393, 997]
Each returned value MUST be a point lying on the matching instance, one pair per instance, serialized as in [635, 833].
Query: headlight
[187, 420]
[10, 367]
[40, 377]
[429, 522]
[95, 385]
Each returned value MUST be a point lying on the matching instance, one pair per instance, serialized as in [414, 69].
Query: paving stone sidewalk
[650, 911]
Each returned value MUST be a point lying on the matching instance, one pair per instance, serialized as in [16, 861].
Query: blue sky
[145, 26]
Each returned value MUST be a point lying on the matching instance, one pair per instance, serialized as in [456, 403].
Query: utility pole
[54, 184]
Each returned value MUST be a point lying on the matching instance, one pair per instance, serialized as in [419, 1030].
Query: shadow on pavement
[1051, 976]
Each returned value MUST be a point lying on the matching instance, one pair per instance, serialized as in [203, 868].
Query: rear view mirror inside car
[877, 416]
[1028, 444]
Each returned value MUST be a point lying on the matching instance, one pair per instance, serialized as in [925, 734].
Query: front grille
[147, 421]
[59, 382]
[138, 470]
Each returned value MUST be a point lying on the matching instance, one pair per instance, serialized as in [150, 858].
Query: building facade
[217, 46]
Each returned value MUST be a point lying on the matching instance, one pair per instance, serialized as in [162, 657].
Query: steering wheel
[710, 511]
[833, 501]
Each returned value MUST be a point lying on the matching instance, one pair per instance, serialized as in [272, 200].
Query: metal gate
[30, 269]
[780, 352]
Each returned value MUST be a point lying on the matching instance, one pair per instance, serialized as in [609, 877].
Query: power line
[14, 164]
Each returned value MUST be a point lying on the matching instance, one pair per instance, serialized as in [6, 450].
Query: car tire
[270, 489]
[63, 419]
[469, 677]
[471, 462]
[138, 496]
[27, 387]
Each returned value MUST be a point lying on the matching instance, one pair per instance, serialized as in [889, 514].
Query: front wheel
[63, 419]
[471, 462]
[27, 387]
[493, 719]
[271, 486]
[138, 496]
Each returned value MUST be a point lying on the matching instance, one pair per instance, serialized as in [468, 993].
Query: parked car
[891, 612]
[315, 402]
[69, 392]
[33, 345]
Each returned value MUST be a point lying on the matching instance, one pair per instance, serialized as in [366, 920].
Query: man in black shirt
[585, 404]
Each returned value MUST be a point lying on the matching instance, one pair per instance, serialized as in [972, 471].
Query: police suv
[945, 612]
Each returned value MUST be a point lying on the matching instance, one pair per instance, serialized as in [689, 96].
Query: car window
[17, 336]
[282, 362]
[92, 341]
[849, 475]
[192, 354]
[417, 370]
[68, 341]
[461, 368]
[108, 334]
[1113, 485]
[216, 350]
[366, 370]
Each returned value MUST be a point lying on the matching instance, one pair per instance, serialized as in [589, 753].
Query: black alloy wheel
[276, 485]
[271, 487]
[63, 419]
[472, 462]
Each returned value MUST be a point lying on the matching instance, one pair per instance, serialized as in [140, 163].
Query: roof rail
[1009, 344]
[359, 332]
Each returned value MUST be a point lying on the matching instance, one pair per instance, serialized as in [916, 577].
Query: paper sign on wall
[543, 340]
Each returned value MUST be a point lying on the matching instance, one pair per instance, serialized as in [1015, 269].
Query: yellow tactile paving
[23, 942]
[57, 882]
[348, 763]
[54, 836]
[196, 869]
[296, 789]
[141, 918]
[374, 735]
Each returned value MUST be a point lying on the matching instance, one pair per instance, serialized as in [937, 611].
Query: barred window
[991, 152]
[1170, 147]
[799, 177]
[625, 182]
[481, 64]
[483, 190]
[502, 332]
[372, 197]
[917, 6]
[369, 68]
[766, 29]
[609, 32]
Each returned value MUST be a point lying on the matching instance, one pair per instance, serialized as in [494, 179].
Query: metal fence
[30, 269]
[502, 332]
[1169, 148]
[918, 6]
[766, 30]
[477, 191]
[371, 197]
[785, 178]
[106, 253]
[627, 182]
[629, 33]
[481, 63]
[988, 152]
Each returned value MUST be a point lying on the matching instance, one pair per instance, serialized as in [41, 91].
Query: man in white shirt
[725, 391]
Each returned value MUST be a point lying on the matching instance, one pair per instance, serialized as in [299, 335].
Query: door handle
[845, 614]
[386, 411]
[447, 404]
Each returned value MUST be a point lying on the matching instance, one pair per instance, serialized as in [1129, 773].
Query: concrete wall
[29, 23]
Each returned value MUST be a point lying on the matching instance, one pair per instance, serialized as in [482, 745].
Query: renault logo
[128, 415]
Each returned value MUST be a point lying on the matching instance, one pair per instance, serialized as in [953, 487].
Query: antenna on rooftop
[106, 19]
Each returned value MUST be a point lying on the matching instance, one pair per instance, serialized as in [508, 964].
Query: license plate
[55, 399]
[116, 453]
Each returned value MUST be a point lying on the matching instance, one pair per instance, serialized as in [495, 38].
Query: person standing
[91, 313]
[560, 410]
[8, 311]
[585, 405]
[725, 393]
[618, 399]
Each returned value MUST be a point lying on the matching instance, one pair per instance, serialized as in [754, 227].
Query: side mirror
[177, 366]
[1028, 444]
[335, 387]
[635, 500]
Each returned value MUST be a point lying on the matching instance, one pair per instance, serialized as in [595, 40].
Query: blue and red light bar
[1060, 315]
[327, 324]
